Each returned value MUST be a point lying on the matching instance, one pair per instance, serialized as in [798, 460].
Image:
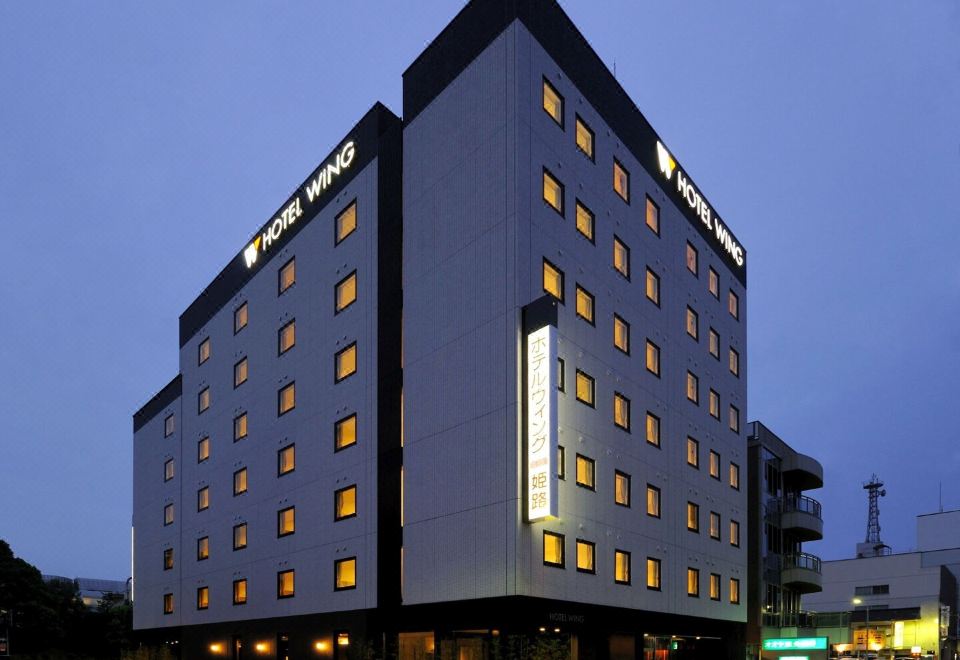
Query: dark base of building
[496, 628]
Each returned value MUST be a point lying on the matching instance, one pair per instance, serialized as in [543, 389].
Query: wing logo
[251, 251]
[667, 163]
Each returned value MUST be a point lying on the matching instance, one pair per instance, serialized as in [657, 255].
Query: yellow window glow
[713, 283]
[621, 411]
[735, 476]
[286, 521]
[734, 591]
[653, 358]
[286, 459]
[285, 587]
[240, 318]
[653, 501]
[203, 498]
[734, 533]
[204, 351]
[734, 362]
[653, 573]
[714, 464]
[693, 388]
[653, 429]
[345, 573]
[346, 362]
[240, 536]
[714, 401]
[584, 138]
[692, 259]
[203, 548]
[240, 373]
[621, 257]
[203, 400]
[240, 426]
[693, 452]
[714, 586]
[621, 334]
[168, 470]
[168, 559]
[693, 517]
[552, 280]
[240, 481]
[346, 223]
[239, 592]
[653, 216]
[287, 275]
[584, 304]
[552, 103]
[714, 343]
[345, 503]
[203, 598]
[585, 221]
[287, 398]
[168, 514]
[693, 323]
[653, 287]
[585, 471]
[552, 192]
[552, 549]
[585, 556]
[733, 305]
[346, 292]
[621, 567]
[693, 582]
[714, 525]
[345, 432]
[584, 388]
[621, 181]
[168, 603]
[621, 488]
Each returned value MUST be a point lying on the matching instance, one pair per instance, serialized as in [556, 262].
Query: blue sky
[141, 144]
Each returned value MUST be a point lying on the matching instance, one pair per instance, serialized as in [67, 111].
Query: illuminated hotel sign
[541, 408]
[699, 205]
[795, 644]
[305, 196]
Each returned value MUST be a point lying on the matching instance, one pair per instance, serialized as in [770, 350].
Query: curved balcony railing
[803, 504]
[802, 560]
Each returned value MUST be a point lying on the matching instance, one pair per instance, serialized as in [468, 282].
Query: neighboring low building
[93, 590]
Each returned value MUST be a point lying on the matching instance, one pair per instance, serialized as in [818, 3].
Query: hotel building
[476, 388]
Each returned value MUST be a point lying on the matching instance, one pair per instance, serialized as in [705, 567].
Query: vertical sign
[542, 423]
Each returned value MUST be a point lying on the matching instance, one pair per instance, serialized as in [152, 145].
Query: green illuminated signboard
[795, 644]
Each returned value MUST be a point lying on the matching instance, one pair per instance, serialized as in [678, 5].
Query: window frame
[246, 430]
[293, 583]
[692, 249]
[203, 397]
[292, 448]
[646, 360]
[203, 597]
[336, 361]
[561, 375]
[169, 520]
[733, 304]
[696, 387]
[593, 389]
[617, 241]
[563, 104]
[241, 311]
[233, 539]
[617, 553]
[167, 603]
[714, 474]
[734, 469]
[201, 358]
[619, 321]
[337, 238]
[336, 292]
[618, 165]
[618, 476]
[694, 508]
[646, 430]
[169, 425]
[337, 517]
[593, 556]
[695, 573]
[733, 361]
[292, 510]
[711, 335]
[592, 319]
[291, 262]
[592, 220]
[337, 563]
[734, 590]
[203, 498]
[240, 475]
[592, 486]
[337, 425]
[714, 580]
[646, 215]
[562, 192]
[289, 387]
[625, 405]
[713, 403]
[543, 280]
[169, 470]
[237, 598]
[579, 122]
[563, 549]
[168, 559]
[734, 418]
[292, 323]
[203, 548]
[246, 371]
[657, 564]
[646, 286]
[714, 516]
[692, 313]
[713, 278]
[561, 463]
[734, 538]
[696, 454]
[658, 509]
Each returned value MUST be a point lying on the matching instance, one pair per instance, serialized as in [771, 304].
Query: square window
[203, 351]
[621, 334]
[240, 427]
[584, 138]
[714, 401]
[653, 216]
[552, 280]
[693, 582]
[621, 567]
[693, 388]
[621, 181]
[203, 548]
[713, 283]
[693, 453]
[585, 304]
[715, 465]
[552, 103]
[653, 573]
[203, 598]
[733, 305]
[240, 373]
[345, 432]
[585, 221]
[287, 337]
[586, 560]
[693, 517]
[168, 559]
[203, 400]
[240, 318]
[586, 472]
[735, 591]
[345, 574]
[653, 501]
[552, 191]
[714, 586]
[286, 521]
[552, 549]
[345, 362]
[167, 514]
[286, 398]
[621, 488]
[735, 533]
[621, 257]
[240, 591]
[693, 260]
[585, 388]
[285, 586]
[621, 411]
[345, 292]
[168, 603]
[734, 419]
[240, 481]
[693, 324]
[287, 275]
[714, 343]
[653, 358]
[169, 426]
[168, 469]
[734, 362]
[561, 462]
[345, 503]
[286, 460]
[561, 378]
[715, 525]
[734, 476]
[653, 429]
[653, 287]
[240, 536]
[203, 498]
[345, 223]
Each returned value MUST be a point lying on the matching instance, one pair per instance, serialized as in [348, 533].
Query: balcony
[801, 517]
[801, 572]
[802, 472]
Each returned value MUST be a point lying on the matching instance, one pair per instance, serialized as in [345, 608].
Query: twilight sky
[142, 143]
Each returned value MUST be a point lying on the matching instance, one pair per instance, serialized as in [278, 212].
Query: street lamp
[866, 638]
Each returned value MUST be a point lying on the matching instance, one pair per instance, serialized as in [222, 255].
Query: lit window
[621, 411]
[653, 501]
[653, 358]
[240, 536]
[240, 373]
[621, 334]
[621, 181]
[345, 362]
[715, 465]
[621, 257]
[735, 533]
[586, 469]
[168, 559]
[621, 567]
[552, 191]
[585, 221]
[285, 588]
[653, 216]
[734, 419]
[561, 378]
[168, 603]
[621, 488]
[167, 514]
[653, 573]
[168, 469]
[345, 503]
[203, 598]
[345, 293]
[240, 481]
[552, 102]
[345, 573]
[203, 498]
[714, 586]
[203, 548]
[734, 363]
[552, 280]
[735, 476]
[714, 401]
[584, 138]
[240, 591]
[287, 276]
[287, 337]
[286, 460]
[345, 432]
[203, 351]
[715, 525]
[653, 429]
[345, 223]
[240, 318]
[286, 398]
[240, 427]
[585, 304]
[693, 453]
[585, 388]
[585, 556]
[553, 549]
[561, 462]
[735, 591]
[693, 260]
[286, 521]
[693, 388]
[653, 287]
[693, 517]
[714, 343]
[203, 400]
[693, 324]
[169, 425]
[693, 582]
[713, 282]
[733, 305]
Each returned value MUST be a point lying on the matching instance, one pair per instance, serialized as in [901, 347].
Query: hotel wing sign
[541, 422]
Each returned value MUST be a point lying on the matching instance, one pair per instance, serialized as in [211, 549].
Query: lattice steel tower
[872, 545]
